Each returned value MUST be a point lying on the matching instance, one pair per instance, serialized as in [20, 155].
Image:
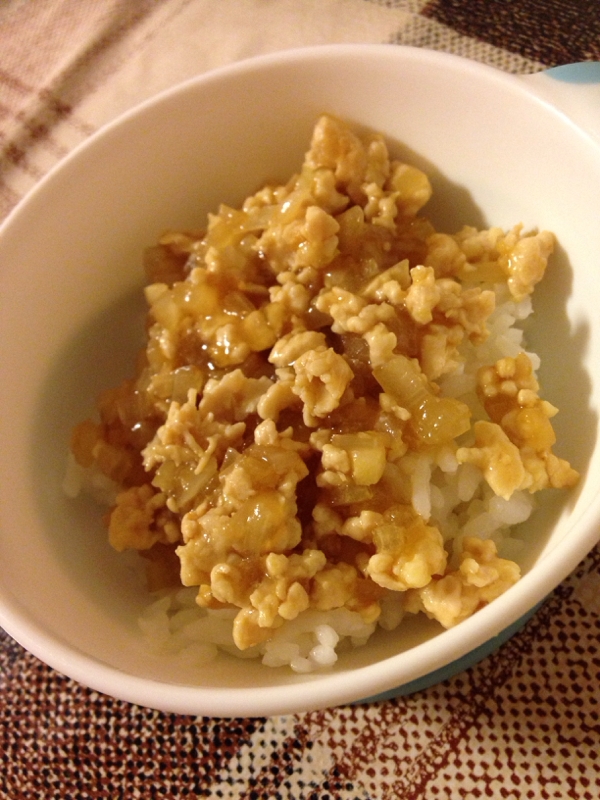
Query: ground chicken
[321, 380]
[409, 552]
[481, 577]
[306, 400]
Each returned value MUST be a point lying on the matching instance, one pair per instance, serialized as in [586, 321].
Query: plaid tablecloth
[524, 723]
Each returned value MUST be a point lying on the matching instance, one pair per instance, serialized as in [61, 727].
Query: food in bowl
[335, 422]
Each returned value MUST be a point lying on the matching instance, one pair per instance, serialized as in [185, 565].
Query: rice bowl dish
[334, 423]
[485, 141]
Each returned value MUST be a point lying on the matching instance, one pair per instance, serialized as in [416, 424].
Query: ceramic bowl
[498, 151]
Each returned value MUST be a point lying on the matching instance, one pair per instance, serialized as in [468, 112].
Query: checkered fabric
[525, 722]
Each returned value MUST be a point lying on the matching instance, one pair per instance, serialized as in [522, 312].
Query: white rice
[174, 625]
[90, 482]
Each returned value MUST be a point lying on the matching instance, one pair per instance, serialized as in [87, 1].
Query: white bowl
[71, 320]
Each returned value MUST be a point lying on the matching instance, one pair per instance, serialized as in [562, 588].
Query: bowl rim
[325, 689]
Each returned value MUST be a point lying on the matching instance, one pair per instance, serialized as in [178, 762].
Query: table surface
[524, 723]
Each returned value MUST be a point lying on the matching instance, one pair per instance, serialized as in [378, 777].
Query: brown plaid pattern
[525, 723]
